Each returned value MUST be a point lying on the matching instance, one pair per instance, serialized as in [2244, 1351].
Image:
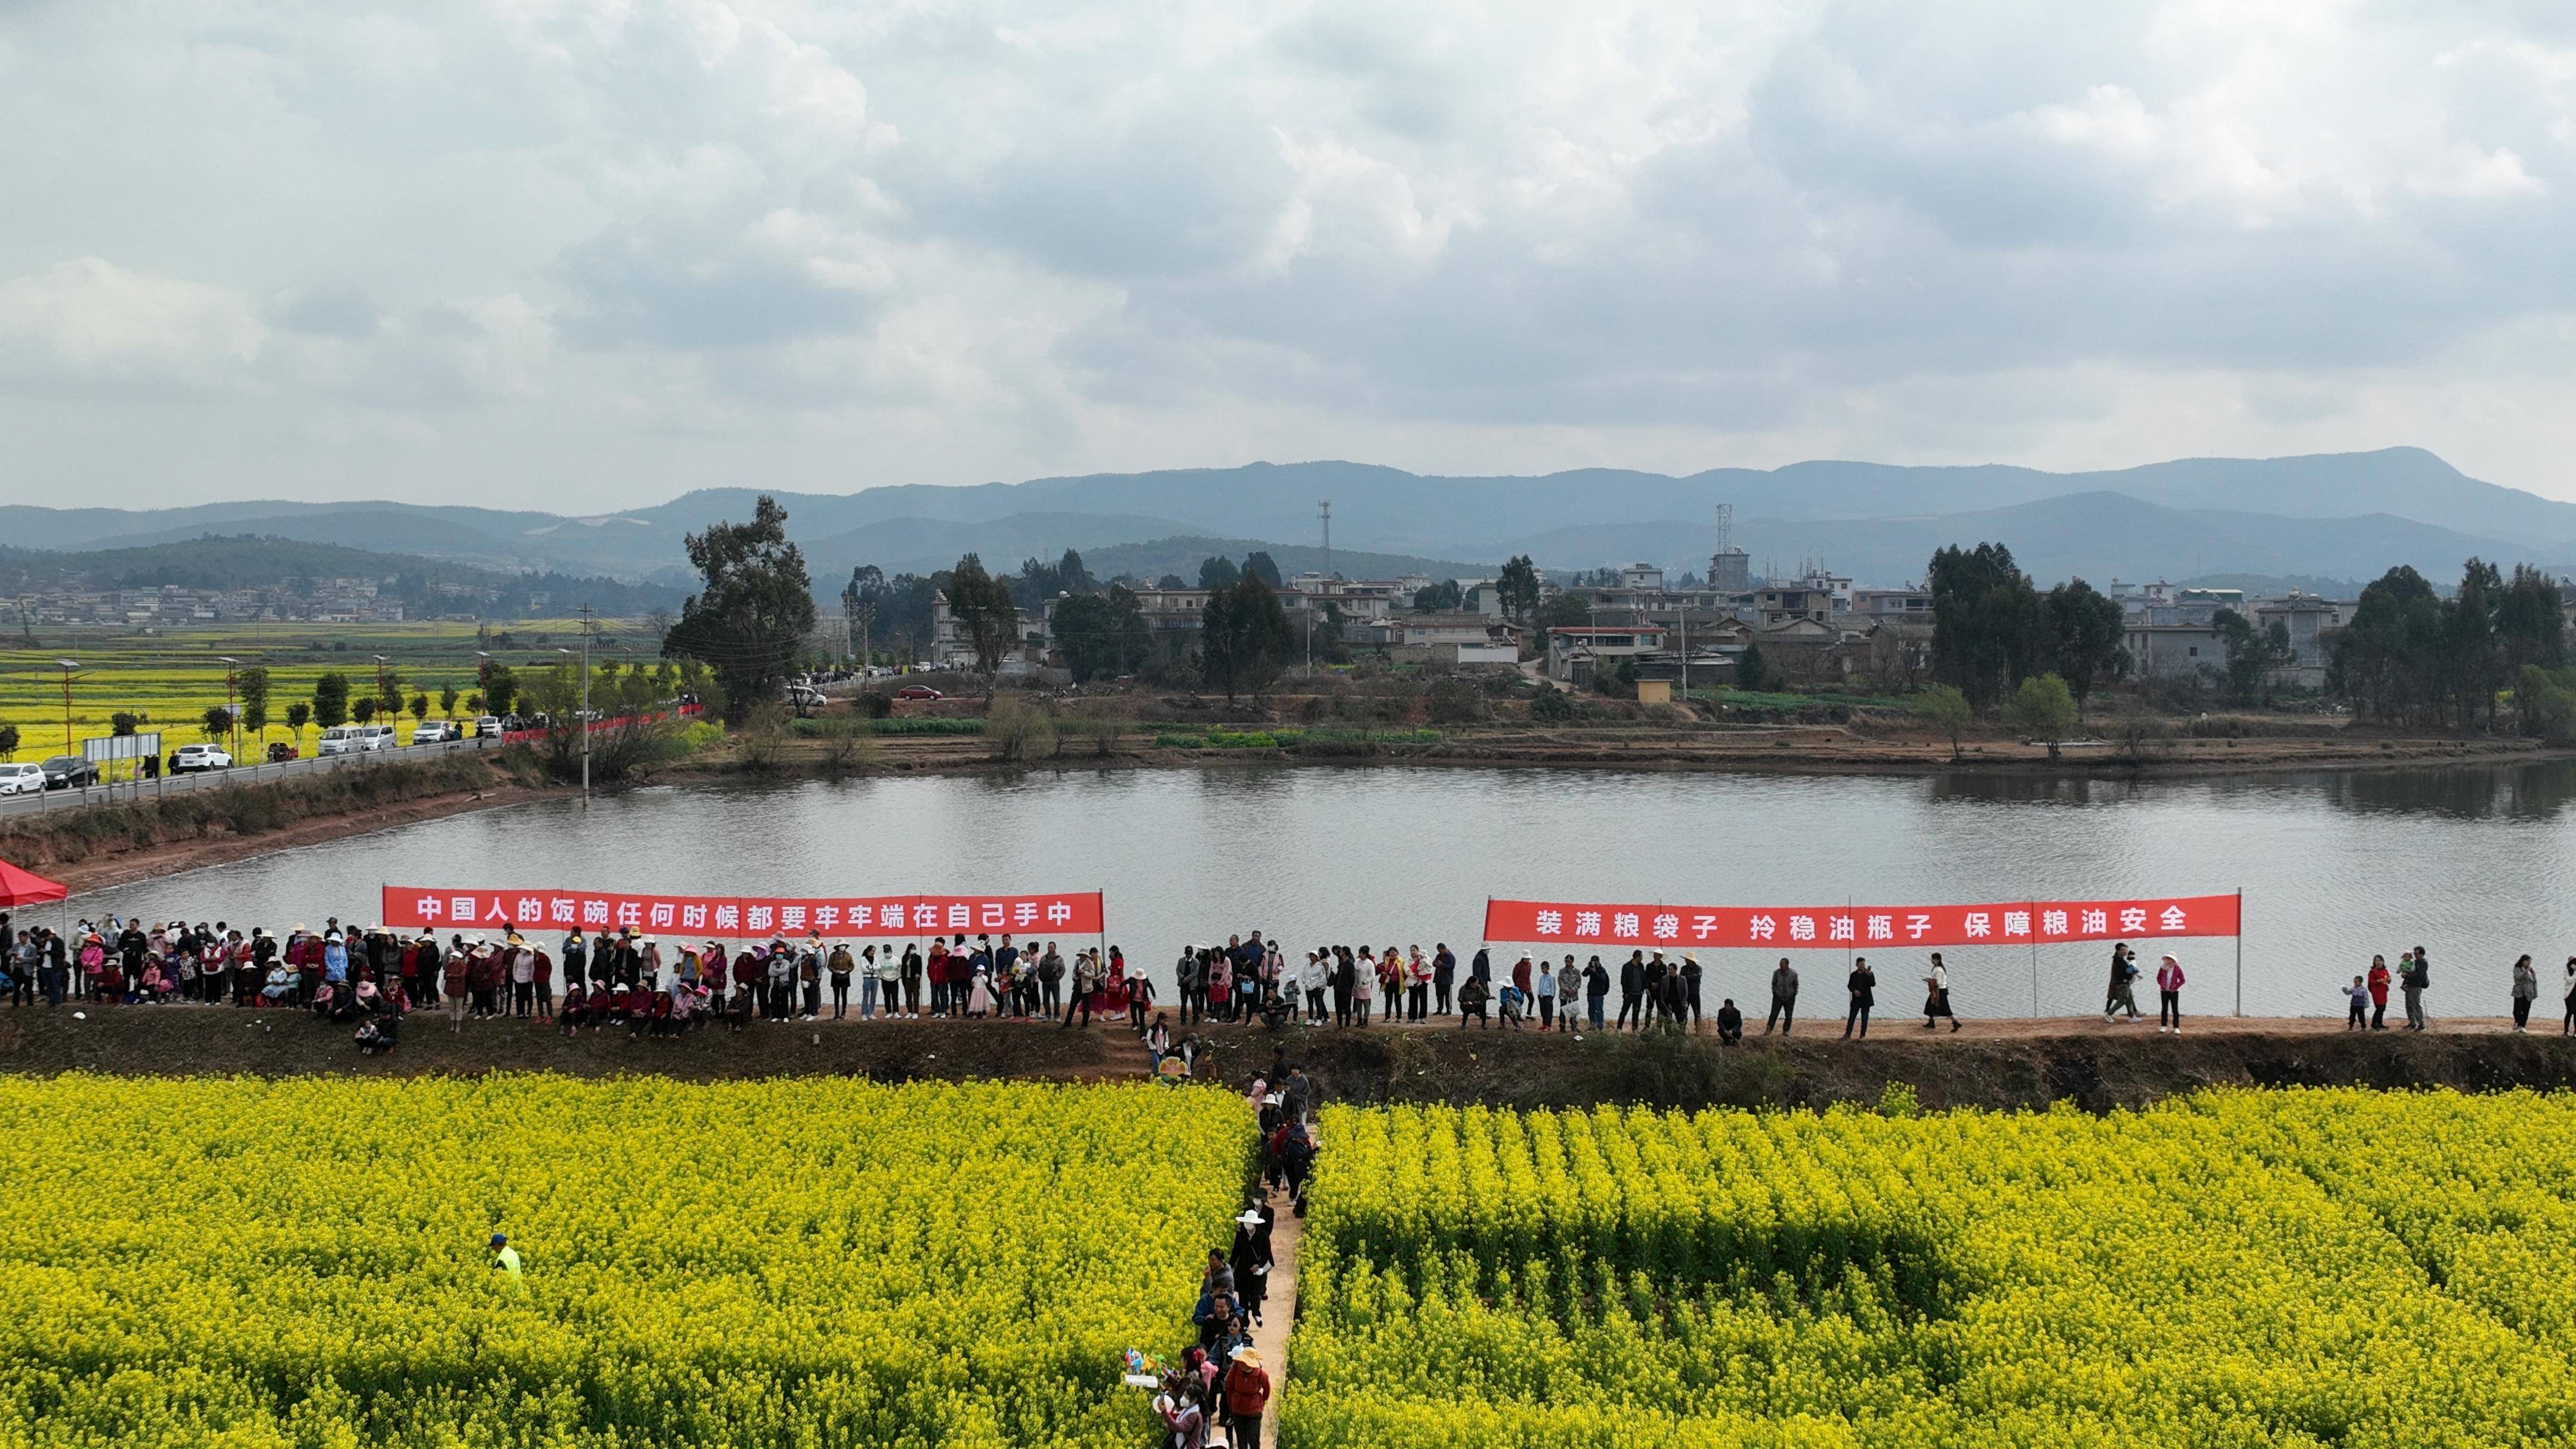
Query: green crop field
[168, 679]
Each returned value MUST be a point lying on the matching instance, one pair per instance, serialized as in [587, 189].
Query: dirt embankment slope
[2032, 1067]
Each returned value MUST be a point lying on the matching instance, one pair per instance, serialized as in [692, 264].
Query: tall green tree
[2475, 662]
[1102, 635]
[2531, 629]
[1989, 627]
[1260, 565]
[861, 598]
[1442, 596]
[2249, 652]
[2087, 636]
[749, 622]
[250, 686]
[331, 700]
[1244, 640]
[983, 607]
[389, 692]
[500, 689]
[1218, 573]
[2387, 660]
[1517, 586]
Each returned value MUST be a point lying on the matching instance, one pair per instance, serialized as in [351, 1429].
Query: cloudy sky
[582, 254]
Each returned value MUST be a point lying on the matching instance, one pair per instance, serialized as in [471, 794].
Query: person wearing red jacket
[1247, 1393]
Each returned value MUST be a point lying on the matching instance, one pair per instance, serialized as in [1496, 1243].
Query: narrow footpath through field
[1270, 1338]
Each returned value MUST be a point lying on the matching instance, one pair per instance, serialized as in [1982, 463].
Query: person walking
[2357, 1000]
[1569, 993]
[2379, 979]
[2526, 987]
[2169, 996]
[1247, 1393]
[2567, 1025]
[1936, 996]
[2415, 976]
[1444, 977]
[1863, 986]
[2124, 976]
[1784, 998]
[1545, 989]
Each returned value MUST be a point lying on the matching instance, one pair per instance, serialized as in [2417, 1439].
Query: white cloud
[88, 322]
[624, 247]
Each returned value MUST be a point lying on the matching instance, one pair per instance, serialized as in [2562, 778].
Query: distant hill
[1150, 561]
[240, 561]
[2340, 515]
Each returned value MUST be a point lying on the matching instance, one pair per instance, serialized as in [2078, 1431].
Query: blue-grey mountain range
[2333, 515]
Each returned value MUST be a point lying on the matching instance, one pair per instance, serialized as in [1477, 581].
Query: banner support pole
[2240, 950]
[2034, 963]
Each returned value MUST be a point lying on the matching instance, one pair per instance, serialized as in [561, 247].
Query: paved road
[240, 775]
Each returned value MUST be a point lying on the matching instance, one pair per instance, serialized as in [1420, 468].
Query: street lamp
[228, 699]
[67, 666]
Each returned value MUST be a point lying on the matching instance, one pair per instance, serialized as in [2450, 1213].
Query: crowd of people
[1217, 1392]
[373, 976]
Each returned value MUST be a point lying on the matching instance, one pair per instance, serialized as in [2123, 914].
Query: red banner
[1857, 928]
[1070, 913]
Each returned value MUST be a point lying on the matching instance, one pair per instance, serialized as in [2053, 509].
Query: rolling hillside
[2347, 515]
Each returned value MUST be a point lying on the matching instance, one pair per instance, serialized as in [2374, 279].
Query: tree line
[2410, 656]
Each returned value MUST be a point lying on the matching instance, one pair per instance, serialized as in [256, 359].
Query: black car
[69, 772]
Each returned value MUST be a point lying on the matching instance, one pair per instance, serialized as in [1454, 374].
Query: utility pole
[1327, 509]
[586, 626]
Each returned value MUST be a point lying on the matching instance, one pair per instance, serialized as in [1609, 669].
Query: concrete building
[2174, 651]
[1573, 651]
[1730, 571]
[1906, 603]
[2309, 620]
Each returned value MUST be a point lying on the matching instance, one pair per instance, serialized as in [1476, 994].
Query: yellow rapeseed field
[787, 1262]
[2307, 1268]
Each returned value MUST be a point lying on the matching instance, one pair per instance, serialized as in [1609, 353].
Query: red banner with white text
[1069, 913]
[1858, 928]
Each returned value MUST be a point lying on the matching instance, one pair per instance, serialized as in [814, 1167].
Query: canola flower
[2238, 1269]
[791, 1262]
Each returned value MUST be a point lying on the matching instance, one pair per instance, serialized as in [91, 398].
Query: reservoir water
[2478, 864]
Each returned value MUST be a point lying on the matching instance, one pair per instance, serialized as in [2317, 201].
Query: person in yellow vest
[505, 1259]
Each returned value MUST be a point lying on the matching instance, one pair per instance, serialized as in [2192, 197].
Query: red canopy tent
[26, 888]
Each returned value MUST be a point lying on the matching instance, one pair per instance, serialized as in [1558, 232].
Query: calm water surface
[2476, 863]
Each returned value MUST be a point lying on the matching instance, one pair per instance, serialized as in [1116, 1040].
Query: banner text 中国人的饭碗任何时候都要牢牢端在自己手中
[1071, 913]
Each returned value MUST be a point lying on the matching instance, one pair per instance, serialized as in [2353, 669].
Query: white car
[27, 779]
[487, 726]
[433, 732]
[192, 758]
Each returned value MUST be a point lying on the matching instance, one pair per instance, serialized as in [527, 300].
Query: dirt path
[1271, 1337]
